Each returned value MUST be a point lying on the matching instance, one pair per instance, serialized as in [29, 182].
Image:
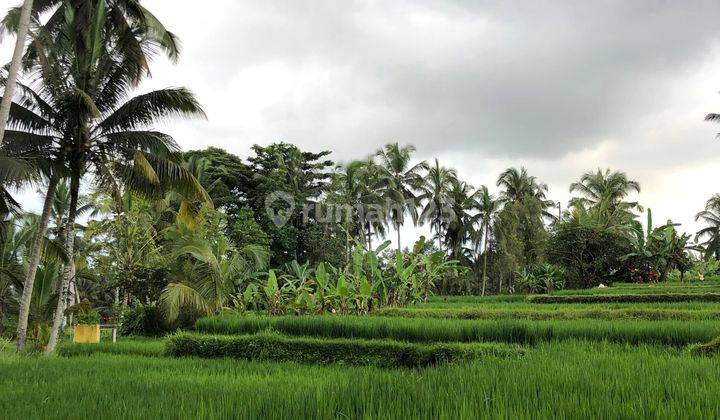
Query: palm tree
[214, 275]
[79, 107]
[362, 188]
[488, 207]
[517, 185]
[438, 183]
[22, 30]
[406, 179]
[711, 233]
[134, 34]
[606, 191]
[460, 225]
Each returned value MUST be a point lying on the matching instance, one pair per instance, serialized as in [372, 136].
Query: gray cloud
[561, 86]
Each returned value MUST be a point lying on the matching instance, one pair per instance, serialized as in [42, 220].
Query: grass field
[579, 360]
[564, 379]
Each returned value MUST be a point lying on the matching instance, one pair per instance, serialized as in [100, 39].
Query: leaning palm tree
[488, 208]
[711, 232]
[81, 106]
[406, 179]
[438, 183]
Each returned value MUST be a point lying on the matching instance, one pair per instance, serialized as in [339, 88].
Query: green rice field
[464, 357]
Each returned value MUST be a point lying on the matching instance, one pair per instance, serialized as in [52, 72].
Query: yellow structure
[86, 334]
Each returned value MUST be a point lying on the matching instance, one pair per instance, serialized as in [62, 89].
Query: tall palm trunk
[397, 226]
[22, 30]
[68, 272]
[484, 282]
[369, 237]
[33, 263]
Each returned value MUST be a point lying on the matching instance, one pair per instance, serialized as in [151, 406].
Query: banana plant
[274, 298]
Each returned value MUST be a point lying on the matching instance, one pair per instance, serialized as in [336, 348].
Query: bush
[383, 353]
[545, 278]
[627, 298]
[589, 255]
[146, 320]
[87, 318]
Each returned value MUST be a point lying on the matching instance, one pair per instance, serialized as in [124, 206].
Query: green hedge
[626, 298]
[383, 353]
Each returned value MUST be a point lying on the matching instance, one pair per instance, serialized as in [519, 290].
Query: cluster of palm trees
[74, 120]
[389, 187]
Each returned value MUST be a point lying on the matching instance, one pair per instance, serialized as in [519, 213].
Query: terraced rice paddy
[533, 360]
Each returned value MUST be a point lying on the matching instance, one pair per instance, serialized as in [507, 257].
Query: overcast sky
[560, 87]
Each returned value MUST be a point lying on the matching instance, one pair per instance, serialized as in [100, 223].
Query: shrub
[545, 278]
[87, 318]
[383, 353]
[144, 320]
[627, 298]
[590, 255]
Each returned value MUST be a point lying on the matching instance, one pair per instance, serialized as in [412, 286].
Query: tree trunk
[23, 27]
[68, 272]
[398, 235]
[369, 238]
[347, 247]
[33, 263]
[485, 262]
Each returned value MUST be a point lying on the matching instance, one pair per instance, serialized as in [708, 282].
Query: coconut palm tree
[711, 232]
[606, 190]
[438, 184]
[488, 207]
[132, 31]
[406, 179]
[517, 185]
[460, 226]
[80, 105]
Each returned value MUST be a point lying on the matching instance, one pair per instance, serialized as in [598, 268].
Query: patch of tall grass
[555, 380]
[559, 314]
[626, 298]
[129, 346]
[272, 346]
[674, 333]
